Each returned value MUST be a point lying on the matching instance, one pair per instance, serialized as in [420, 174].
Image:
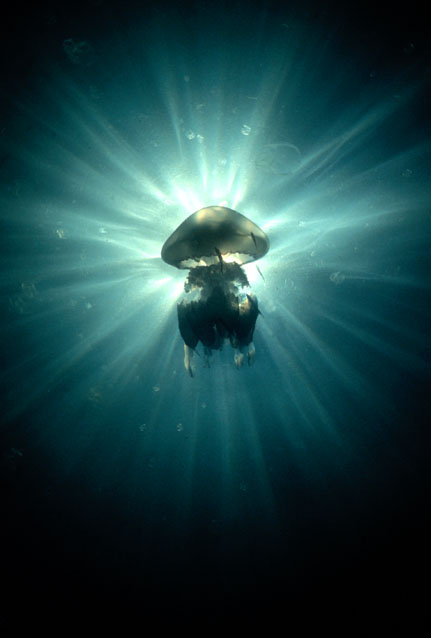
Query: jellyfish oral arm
[188, 356]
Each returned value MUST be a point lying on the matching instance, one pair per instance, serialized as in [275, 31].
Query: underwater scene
[215, 311]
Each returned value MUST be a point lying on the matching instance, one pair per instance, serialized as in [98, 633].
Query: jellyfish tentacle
[238, 358]
[251, 353]
[188, 356]
[207, 355]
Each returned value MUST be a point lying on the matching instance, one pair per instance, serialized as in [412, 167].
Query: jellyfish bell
[212, 231]
[213, 243]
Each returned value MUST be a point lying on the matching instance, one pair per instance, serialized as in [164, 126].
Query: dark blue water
[130, 488]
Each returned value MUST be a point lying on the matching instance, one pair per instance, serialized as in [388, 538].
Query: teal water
[300, 479]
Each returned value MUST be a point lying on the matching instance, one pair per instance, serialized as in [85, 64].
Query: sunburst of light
[103, 177]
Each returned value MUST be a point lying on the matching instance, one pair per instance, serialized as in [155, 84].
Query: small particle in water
[337, 278]
[243, 486]
[156, 388]
[179, 427]
[60, 233]
[203, 405]
[28, 289]
[409, 48]
[79, 51]
[190, 135]
[94, 395]
[142, 427]
[245, 129]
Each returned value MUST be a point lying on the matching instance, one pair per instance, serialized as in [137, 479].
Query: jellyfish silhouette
[213, 243]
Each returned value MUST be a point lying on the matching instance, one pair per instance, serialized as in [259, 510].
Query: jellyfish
[213, 244]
